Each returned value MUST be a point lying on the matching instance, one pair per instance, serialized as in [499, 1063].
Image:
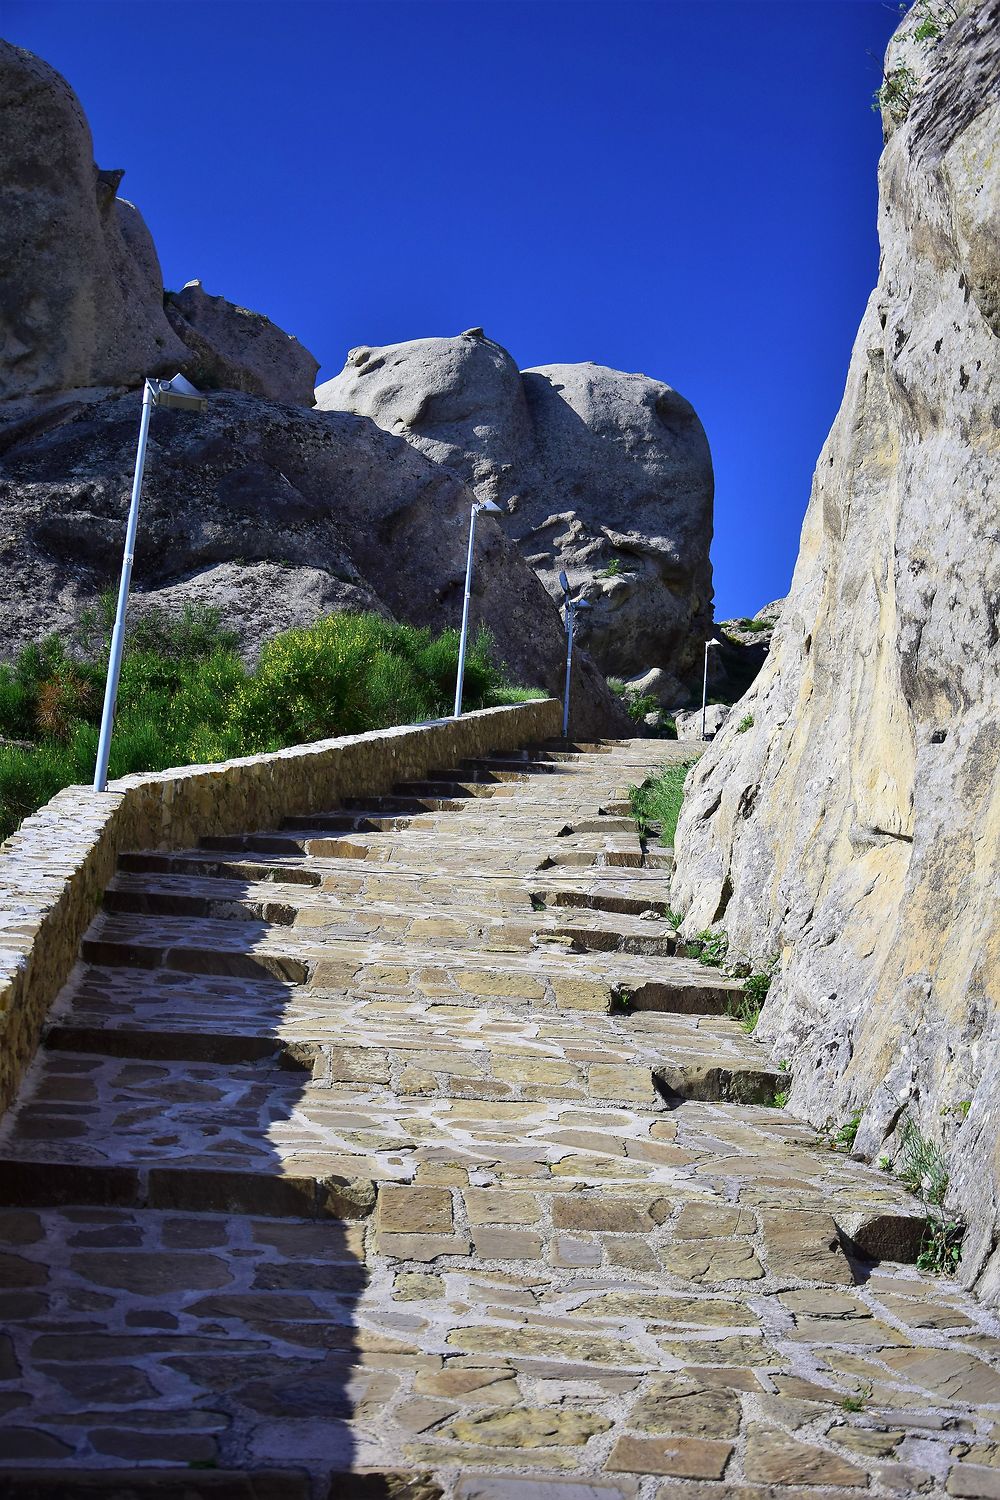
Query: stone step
[456, 788]
[128, 1181]
[370, 821]
[38, 1483]
[398, 802]
[639, 891]
[360, 917]
[326, 960]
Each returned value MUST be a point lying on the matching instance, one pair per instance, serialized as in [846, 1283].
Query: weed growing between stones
[862, 1395]
[657, 801]
[186, 698]
[745, 723]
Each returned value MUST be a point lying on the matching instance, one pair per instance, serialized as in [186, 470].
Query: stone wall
[854, 826]
[54, 870]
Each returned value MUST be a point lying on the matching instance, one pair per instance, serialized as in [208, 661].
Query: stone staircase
[392, 1152]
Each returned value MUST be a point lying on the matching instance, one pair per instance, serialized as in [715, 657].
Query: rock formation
[238, 350]
[81, 295]
[606, 475]
[854, 829]
[274, 513]
[81, 300]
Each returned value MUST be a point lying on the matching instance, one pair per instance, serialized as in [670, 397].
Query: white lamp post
[493, 509]
[572, 605]
[181, 395]
[704, 684]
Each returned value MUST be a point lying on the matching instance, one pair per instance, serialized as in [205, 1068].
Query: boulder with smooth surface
[606, 476]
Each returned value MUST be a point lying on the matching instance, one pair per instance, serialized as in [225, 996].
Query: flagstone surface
[395, 1153]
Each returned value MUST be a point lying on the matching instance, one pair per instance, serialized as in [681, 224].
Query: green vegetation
[900, 84]
[745, 723]
[186, 698]
[781, 1098]
[844, 1138]
[709, 948]
[941, 1249]
[658, 800]
[638, 707]
[753, 626]
[617, 567]
[923, 1169]
[862, 1395]
[898, 90]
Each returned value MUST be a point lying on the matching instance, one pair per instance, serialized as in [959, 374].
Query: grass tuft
[657, 801]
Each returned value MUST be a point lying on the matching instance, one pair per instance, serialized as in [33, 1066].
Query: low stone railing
[55, 869]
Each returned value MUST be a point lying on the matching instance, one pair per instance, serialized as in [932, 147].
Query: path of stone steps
[394, 1153]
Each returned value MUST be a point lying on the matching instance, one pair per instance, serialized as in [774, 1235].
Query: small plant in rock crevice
[923, 1169]
[781, 1098]
[899, 86]
[843, 1139]
[745, 723]
[862, 1395]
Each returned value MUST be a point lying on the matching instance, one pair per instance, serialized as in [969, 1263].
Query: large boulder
[854, 827]
[276, 513]
[81, 294]
[235, 349]
[607, 476]
[81, 297]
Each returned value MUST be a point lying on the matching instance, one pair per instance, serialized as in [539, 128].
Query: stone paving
[396, 1144]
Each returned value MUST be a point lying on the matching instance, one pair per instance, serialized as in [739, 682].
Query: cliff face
[854, 829]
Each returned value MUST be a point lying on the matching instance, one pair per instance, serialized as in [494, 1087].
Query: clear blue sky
[682, 187]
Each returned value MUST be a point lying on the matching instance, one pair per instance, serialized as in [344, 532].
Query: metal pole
[118, 637]
[465, 616]
[569, 666]
[704, 692]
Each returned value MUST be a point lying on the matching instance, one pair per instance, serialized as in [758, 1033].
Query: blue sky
[686, 189]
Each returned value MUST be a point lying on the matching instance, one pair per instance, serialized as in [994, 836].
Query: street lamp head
[583, 604]
[490, 506]
[713, 642]
[178, 394]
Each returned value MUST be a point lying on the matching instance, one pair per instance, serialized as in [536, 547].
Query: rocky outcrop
[81, 294]
[607, 476]
[854, 829]
[81, 298]
[275, 513]
[238, 350]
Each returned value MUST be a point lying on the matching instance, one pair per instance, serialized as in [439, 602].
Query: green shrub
[186, 698]
[745, 723]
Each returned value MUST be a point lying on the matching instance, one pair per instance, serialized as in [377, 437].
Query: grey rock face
[855, 828]
[606, 475]
[273, 512]
[238, 350]
[81, 295]
[258, 600]
[688, 721]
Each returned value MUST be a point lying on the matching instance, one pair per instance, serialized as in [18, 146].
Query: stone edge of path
[55, 868]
